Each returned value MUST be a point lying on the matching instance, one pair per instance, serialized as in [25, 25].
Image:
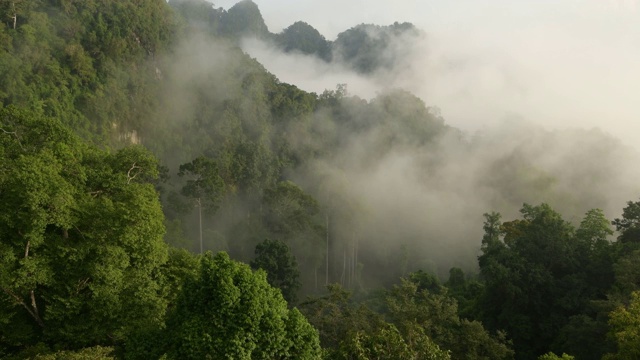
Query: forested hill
[150, 167]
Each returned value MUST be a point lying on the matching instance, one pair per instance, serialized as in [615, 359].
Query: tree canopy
[118, 119]
[228, 311]
[82, 234]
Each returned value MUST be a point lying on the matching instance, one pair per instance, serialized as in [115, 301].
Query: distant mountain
[304, 38]
[367, 48]
[244, 19]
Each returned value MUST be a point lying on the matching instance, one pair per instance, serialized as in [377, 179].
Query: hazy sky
[333, 16]
[569, 63]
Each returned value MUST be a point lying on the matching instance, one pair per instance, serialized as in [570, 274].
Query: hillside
[138, 135]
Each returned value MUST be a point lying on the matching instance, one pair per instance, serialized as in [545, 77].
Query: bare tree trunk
[353, 260]
[327, 268]
[355, 265]
[15, 15]
[344, 266]
[200, 222]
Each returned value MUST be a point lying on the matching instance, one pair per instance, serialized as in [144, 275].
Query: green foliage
[552, 356]
[41, 352]
[303, 38]
[81, 233]
[412, 309]
[288, 103]
[86, 62]
[625, 330]
[466, 292]
[228, 311]
[388, 343]
[93, 353]
[629, 224]
[199, 14]
[366, 47]
[290, 210]
[627, 274]
[410, 323]
[181, 267]
[275, 258]
[543, 274]
[82, 262]
[414, 124]
[242, 19]
[204, 185]
[336, 316]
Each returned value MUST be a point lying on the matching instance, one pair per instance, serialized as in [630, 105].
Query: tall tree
[204, 186]
[541, 276]
[275, 258]
[289, 210]
[629, 224]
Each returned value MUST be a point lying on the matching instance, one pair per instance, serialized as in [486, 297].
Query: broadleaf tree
[80, 238]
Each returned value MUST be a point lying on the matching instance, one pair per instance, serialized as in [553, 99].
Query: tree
[522, 276]
[364, 46]
[80, 233]
[244, 18]
[229, 311]
[414, 309]
[205, 186]
[289, 210]
[336, 316]
[386, 343]
[629, 224]
[492, 229]
[466, 292]
[625, 329]
[97, 353]
[552, 356]
[11, 9]
[275, 258]
[542, 278]
[304, 38]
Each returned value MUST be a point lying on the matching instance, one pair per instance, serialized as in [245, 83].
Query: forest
[167, 197]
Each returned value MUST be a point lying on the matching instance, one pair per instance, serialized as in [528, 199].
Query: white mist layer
[519, 88]
[559, 65]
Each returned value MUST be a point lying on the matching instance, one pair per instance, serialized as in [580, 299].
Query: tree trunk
[200, 222]
[355, 261]
[327, 269]
[33, 309]
[344, 266]
[15, 15]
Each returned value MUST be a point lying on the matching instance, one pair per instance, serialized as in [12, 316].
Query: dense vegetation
[137, 139]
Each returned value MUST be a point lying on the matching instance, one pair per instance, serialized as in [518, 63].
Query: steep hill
[361, 192]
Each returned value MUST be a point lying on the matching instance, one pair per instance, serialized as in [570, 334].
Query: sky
[569, 63]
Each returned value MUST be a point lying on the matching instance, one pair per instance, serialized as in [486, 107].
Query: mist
[570, 64]
[429, 200]
[541, 111]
